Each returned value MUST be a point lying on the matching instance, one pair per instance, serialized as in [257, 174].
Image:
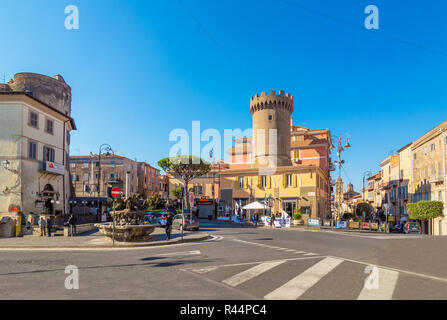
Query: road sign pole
[113, 222]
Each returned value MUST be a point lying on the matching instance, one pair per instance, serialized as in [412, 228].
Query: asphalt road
[239, 263]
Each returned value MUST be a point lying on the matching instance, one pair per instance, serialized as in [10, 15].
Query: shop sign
[313, 222]
[342, 224]
[354, 225]
[365, 225]
[54, 167]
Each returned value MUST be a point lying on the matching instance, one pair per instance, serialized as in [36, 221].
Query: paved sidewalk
[95, 239]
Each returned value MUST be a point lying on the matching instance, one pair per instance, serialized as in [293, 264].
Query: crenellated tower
[271, 115]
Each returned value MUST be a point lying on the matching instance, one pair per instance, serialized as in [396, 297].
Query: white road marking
[310, 254]
[387, 283]
[204, 270]
[182, 253]
[251, 273]
[296, 287]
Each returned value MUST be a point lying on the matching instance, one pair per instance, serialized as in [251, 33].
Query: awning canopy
[255, 206]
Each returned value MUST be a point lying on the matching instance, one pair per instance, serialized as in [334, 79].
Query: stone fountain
[129, 223]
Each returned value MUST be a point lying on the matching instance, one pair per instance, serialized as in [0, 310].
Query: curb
[117, 244]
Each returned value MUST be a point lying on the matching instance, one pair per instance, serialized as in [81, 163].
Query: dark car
[398, 228]
[412, 227]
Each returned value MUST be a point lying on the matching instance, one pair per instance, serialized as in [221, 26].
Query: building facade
[429, 172]
[91, 176]
[35, 126]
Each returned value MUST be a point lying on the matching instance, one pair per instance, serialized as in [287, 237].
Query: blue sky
[139, 69]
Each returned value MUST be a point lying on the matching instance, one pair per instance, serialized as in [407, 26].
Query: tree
[185, 168]
[154, 202]
[425, 210]
[177, 192]
[363, 207]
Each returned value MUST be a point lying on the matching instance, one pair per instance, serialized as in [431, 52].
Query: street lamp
[6, 164]
[363, 190]
[340, 162]
[107, 149]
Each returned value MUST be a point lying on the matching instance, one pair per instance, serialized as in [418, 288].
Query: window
[414, 156]
[263, 181]
[432, 147]
[97, 164]
[32, 150]
[73, 165]
[48, 154]
[85, 164]
[85, 176]
[112, 163]
[289, 180]
[33, 119]
[240, 182]
[113, 176]
[49, 126]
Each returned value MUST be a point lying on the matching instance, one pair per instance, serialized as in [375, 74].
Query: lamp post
[363, 190]
[105, 147]
[340, 162]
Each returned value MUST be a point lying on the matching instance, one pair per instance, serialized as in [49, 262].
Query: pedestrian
[244, 216]
[168, 226]
[43, 226]
[72, 224]
[272, 220]
[49, 226]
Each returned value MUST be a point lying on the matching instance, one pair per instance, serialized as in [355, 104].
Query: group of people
[46, 225]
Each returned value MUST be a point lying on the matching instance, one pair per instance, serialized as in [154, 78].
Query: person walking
[49, 226]
[272, 220]
[72, 224]
[43, 226]
[168, 226]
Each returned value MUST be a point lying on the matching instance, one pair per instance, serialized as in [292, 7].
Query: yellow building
[288, 188]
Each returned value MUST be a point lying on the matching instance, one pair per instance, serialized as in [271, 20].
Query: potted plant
[297, 218]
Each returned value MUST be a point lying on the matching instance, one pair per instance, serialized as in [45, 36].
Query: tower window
[270, 117]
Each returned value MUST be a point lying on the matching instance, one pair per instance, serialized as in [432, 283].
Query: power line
[378, 34]
[216, 43]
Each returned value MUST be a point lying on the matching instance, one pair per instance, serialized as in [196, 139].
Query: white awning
[255, 206]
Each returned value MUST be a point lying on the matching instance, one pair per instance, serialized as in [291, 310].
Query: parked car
[398, 228]
[156, 218]
[412, 227]
[191, 222]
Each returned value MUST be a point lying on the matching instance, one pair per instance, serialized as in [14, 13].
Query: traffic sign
[115, 192]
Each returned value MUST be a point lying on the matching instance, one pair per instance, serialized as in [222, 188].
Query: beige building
[35, 126]
[429, 172]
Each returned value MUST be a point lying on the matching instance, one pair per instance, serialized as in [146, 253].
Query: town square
[292, 152]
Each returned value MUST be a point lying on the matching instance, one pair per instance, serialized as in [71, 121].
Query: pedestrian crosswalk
[296, 287]
[305, 278]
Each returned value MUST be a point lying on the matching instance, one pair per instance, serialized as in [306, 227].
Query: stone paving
[96, 239]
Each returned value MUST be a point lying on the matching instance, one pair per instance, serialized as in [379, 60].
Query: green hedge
[424, 210]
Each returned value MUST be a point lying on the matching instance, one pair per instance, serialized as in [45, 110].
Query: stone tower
[50, 90]
[271, 112]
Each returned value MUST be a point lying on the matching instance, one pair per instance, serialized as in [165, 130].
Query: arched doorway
[48, 196]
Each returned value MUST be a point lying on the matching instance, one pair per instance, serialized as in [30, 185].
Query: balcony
[436, 178]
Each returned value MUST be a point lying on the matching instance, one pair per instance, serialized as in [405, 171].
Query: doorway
[289, 206]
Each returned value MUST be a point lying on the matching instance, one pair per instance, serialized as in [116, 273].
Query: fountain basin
[127, 233]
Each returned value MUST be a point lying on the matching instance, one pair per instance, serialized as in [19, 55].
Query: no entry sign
[115, 192]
